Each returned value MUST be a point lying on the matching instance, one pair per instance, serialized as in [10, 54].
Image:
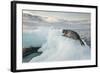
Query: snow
[60, 48]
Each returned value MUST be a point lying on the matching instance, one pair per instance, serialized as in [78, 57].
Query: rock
[30, 50]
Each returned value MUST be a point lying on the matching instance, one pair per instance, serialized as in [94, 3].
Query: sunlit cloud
[51, 19]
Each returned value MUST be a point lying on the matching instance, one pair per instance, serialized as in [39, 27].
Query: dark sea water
[29, 57]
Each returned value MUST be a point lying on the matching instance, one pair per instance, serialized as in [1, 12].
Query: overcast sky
[55, 19]
[71, 16]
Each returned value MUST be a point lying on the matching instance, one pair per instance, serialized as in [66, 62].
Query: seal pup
[72, 34]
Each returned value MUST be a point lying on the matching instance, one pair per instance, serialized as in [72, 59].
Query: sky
[52, 15]
[32, 18]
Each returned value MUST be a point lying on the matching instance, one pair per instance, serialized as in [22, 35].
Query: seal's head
[72, 34]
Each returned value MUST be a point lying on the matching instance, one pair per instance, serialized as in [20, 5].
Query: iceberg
[60, 48]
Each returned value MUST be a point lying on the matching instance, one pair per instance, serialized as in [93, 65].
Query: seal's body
[73, 35]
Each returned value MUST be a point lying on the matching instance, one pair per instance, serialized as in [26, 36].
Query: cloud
[61, 15]
[32, 20]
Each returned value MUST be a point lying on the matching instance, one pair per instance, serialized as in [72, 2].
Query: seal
[72, 34]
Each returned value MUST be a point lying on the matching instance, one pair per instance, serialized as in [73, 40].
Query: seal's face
[66, 33]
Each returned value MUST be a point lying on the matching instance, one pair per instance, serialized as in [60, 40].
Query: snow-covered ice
[60, 48]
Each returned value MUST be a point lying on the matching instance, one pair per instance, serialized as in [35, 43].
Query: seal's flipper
[82, 43]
